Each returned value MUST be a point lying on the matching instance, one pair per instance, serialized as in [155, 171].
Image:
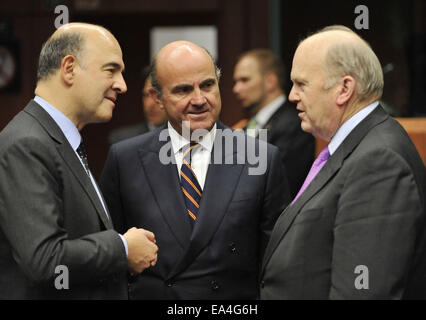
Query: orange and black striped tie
[191, 188]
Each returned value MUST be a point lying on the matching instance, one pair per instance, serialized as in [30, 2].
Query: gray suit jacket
[50, 215]
[358, 231]
[220, 258]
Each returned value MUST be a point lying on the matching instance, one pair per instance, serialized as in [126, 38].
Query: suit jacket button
[262, 284]
[214, 285]
[169, 284]
[232, 247]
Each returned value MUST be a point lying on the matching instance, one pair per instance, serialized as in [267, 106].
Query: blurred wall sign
[205, 36]
[9, 67]
[86, 4]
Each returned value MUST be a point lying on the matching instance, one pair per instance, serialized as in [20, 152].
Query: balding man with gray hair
[56, 235]
[356, 228]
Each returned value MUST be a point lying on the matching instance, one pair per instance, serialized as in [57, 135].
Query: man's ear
[271, 81]
[346, 90]
[68, 67]
[154, 95]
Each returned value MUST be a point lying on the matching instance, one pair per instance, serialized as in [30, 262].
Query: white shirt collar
[178, 141]
[349, 125]
[266, 113]
[65, 124]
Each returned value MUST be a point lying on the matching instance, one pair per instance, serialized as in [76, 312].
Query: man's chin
[306, 127]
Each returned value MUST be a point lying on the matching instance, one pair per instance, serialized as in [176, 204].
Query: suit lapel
[221, 181]
[270, 124]
[70, 158]
[332, 166]
[165, 185]
[79, 172]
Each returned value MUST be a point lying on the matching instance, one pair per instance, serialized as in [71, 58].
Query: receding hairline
[178, 48]
[330, 36]
[86, 31]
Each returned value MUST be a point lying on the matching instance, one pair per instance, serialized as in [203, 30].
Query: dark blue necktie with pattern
[190, 187]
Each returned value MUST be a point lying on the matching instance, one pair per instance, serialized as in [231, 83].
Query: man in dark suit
[196, 185]
[356, 229]
[259, 83]
[56, 235]
[154, 116]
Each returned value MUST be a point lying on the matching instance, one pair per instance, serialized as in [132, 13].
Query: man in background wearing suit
[154, 115]
[56, 235]
[211, 216]
[259, 83]
[356, 229]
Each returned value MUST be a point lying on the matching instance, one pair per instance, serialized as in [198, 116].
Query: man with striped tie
[210, 213]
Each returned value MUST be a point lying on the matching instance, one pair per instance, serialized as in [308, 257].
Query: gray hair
[357, 60]
[55, 49]
[155, 84]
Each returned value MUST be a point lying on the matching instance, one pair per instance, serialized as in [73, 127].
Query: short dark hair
[55, 49]
[268, 62]
[155, 84]
[145, 74]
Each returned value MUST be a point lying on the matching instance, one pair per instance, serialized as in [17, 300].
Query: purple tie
[316, 167]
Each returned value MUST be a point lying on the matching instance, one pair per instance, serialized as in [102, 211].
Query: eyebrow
[115, 65]
[208, 81]
[180, 87]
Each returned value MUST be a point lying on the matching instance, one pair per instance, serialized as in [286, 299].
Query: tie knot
[323, 156]
[187, 150]
[252, 123]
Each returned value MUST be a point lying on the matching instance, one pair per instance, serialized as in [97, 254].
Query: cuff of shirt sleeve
[125, 244]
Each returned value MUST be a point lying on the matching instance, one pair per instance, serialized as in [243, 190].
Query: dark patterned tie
[81, 151]
[191, 188]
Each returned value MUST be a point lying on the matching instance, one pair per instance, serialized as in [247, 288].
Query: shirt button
[214, 285]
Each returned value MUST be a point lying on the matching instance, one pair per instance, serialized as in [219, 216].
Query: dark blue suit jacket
[221, 256]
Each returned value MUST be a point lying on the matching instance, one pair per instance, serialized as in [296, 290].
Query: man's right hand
[142, 249]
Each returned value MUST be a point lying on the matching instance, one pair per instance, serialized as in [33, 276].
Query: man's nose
[120, 85]
[236, 88]
[293, 96]
[198, 98]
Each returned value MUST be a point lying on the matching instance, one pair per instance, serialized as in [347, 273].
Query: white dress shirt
[348, 126]
[201, 155]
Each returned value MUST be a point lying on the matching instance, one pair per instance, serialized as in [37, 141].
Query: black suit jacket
[297, 148]
[363, 215]
[127, 132]
[50, 215]
[220, 258]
